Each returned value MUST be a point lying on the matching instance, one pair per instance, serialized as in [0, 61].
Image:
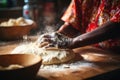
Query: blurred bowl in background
[16, 32]
[30, 62]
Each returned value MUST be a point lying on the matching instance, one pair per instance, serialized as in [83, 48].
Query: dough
[49, 56]
[11, 67]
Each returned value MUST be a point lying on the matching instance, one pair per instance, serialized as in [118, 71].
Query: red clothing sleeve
[72, 15]
[80, 12]
[87, 15]
[116, 17]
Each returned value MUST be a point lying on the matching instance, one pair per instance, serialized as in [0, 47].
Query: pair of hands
[54, 39]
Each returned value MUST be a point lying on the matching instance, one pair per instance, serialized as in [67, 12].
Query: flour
[49, 56]
[73, 65]
[32, 48]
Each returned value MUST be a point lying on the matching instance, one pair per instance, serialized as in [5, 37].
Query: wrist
[71, 43]
[75, 43]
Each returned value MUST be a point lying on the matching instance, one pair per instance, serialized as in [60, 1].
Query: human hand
[54, 39]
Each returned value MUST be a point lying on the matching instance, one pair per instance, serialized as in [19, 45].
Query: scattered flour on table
[74, 65]
[34, 49]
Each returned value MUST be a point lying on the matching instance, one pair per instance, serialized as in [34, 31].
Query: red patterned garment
[87, 15]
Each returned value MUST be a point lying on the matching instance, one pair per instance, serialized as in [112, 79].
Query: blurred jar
[31, 11]
[49, 12]
[49, 16]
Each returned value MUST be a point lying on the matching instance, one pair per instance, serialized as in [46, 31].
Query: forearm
[109, 30]
[68, 30]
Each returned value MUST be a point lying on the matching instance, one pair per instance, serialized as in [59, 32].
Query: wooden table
[107, 61]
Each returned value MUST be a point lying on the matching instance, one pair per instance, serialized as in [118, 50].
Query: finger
[53, 34]
[43, 36]
[49, 46]
[47, 40]
[43, 40]
[43, 44]
[46, 36]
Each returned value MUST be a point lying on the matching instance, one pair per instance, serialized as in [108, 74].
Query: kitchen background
[46, 14]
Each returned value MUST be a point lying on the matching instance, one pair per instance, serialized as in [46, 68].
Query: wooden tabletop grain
[103, 65]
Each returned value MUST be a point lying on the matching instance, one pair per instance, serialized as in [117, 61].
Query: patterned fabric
[87, 15]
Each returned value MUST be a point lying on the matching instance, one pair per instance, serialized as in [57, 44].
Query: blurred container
[15, 32]
[48, 16]
[31, 10]
[49, 12]
[30, 62]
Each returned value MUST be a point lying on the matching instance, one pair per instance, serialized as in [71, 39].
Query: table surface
[108, 61]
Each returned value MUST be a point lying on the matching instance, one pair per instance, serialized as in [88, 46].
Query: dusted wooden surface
[103, 64]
